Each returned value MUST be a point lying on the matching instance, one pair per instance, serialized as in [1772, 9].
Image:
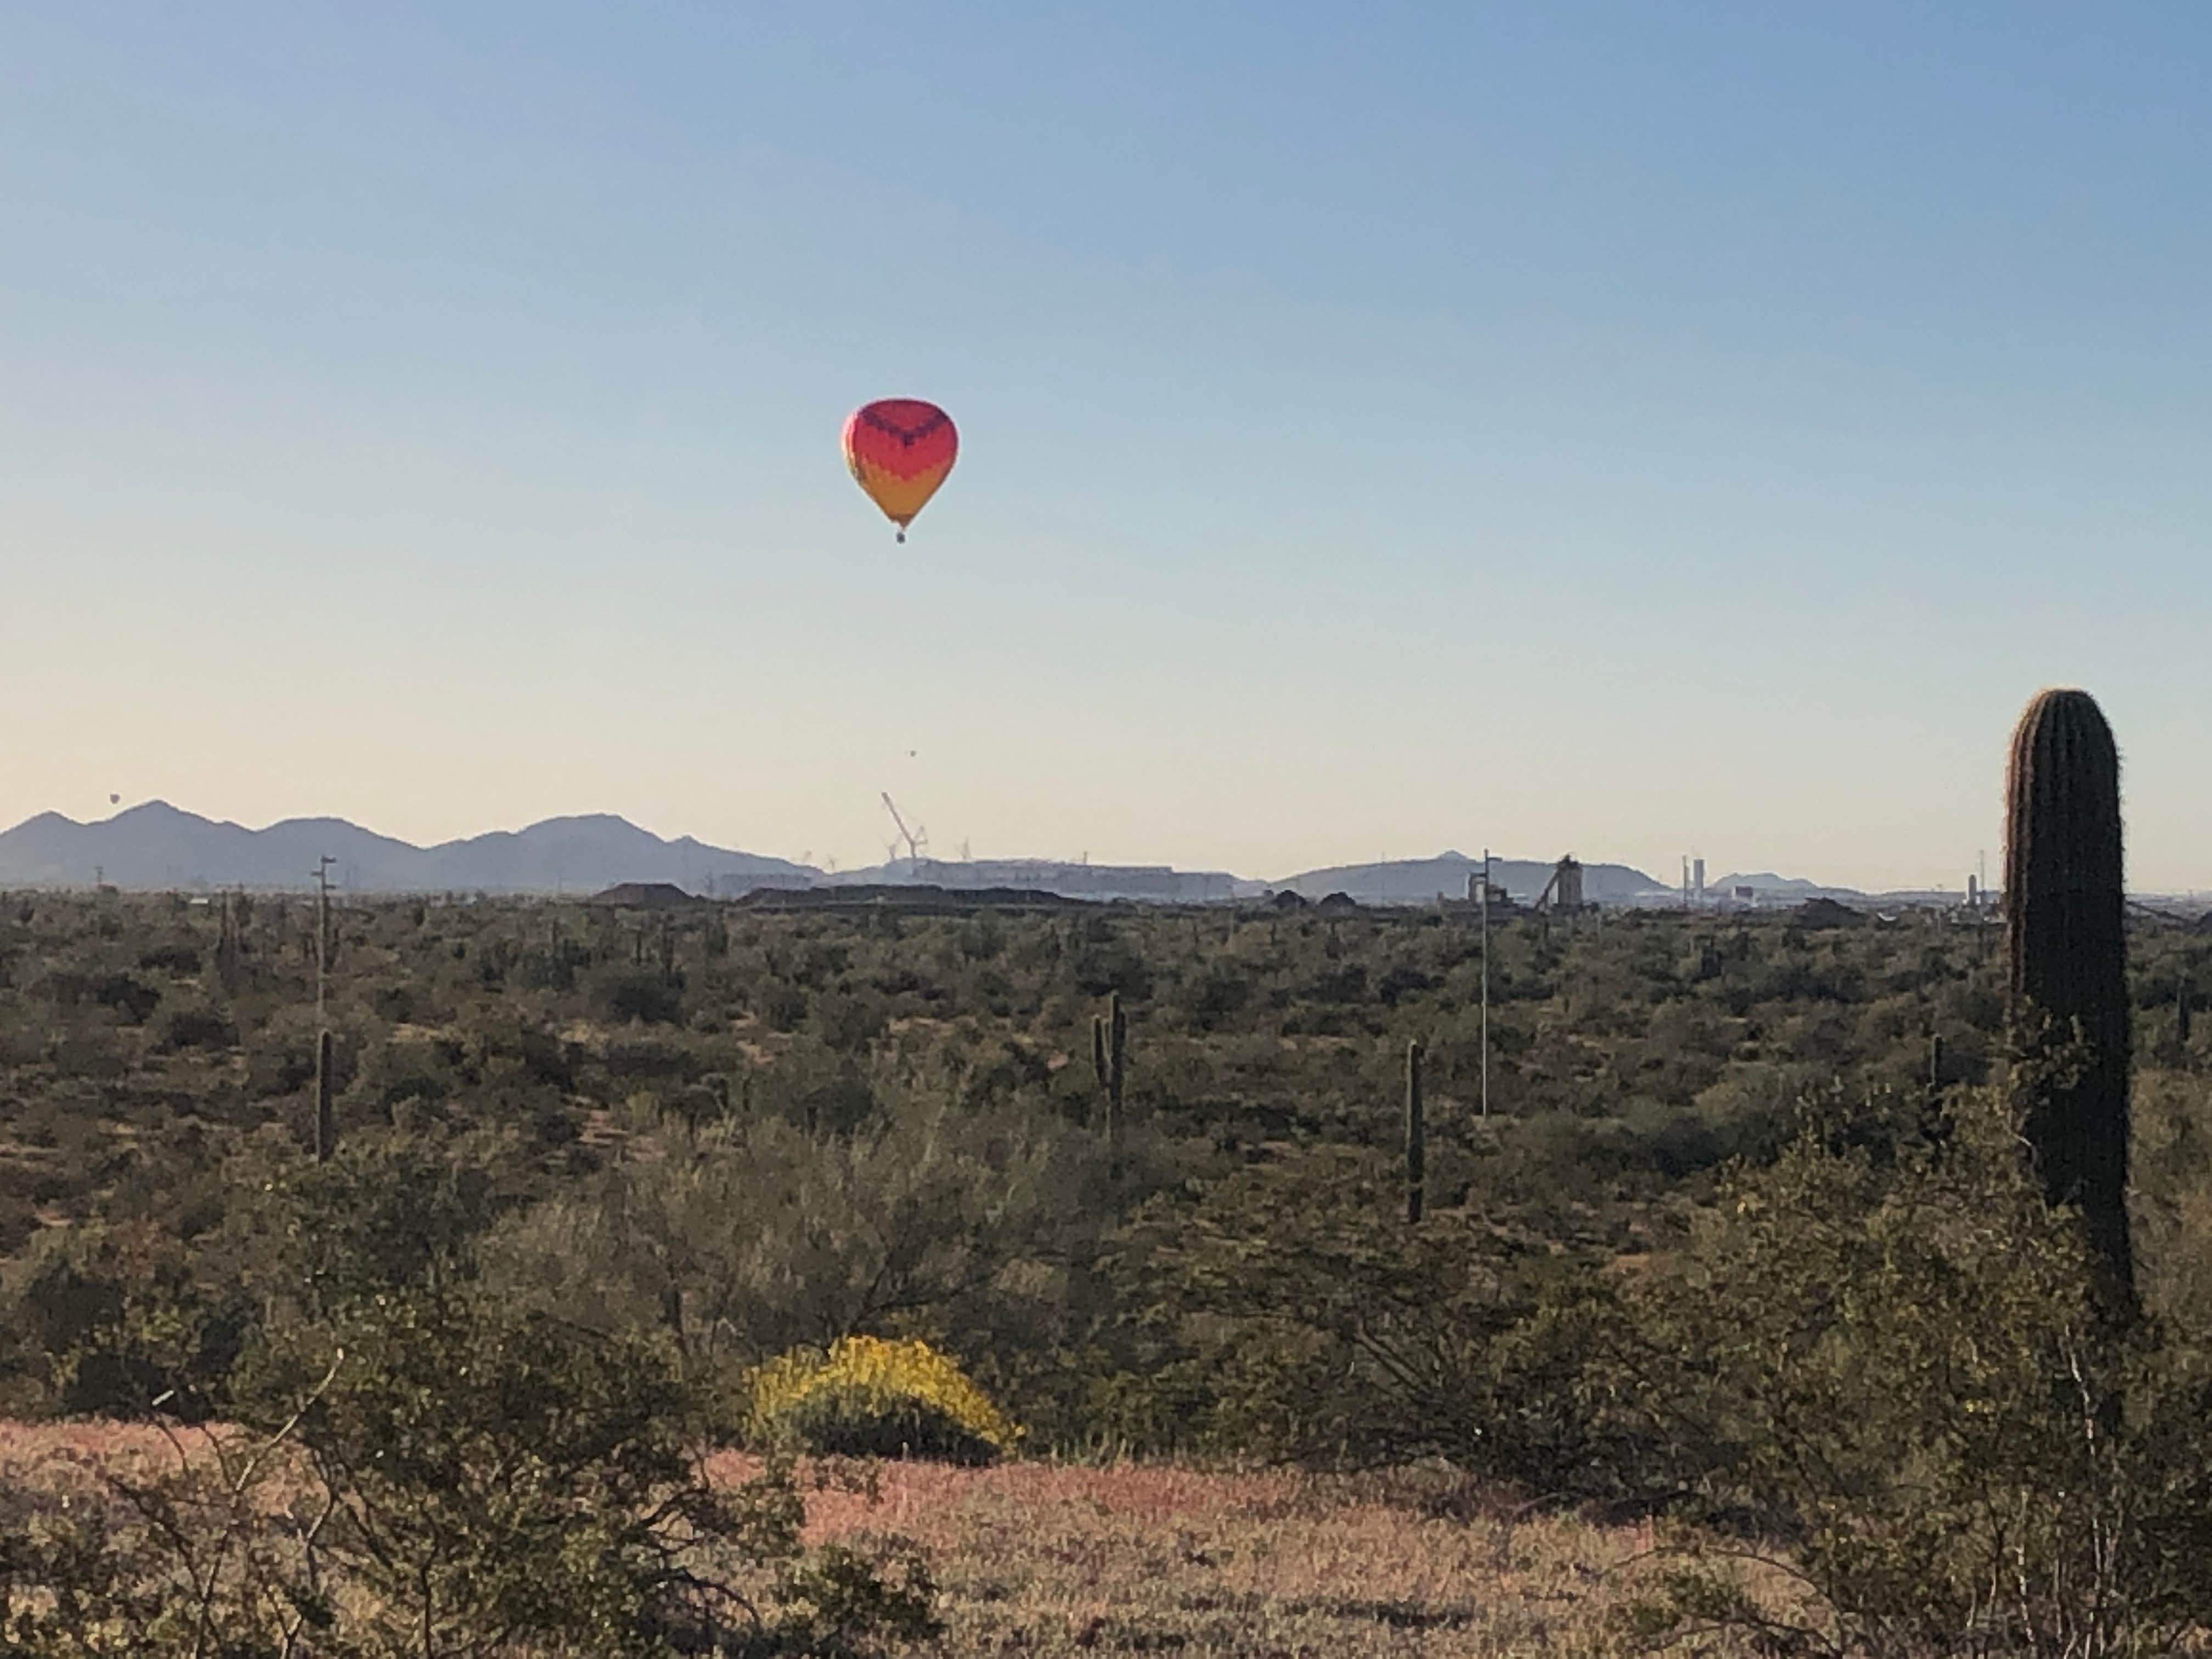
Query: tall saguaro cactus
[2065, 912]
[1109, 1053]
[326, 1134]
[326, 1127]
[227, 947]
[1417, 1141]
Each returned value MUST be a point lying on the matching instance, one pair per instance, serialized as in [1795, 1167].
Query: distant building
[1499, 898]
[1563, 891]
[1156, 884]
[1570, 878]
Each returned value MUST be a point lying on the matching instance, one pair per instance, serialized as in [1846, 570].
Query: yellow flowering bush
[869, 1396]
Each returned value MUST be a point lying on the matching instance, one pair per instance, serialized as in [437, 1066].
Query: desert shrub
[1007, 1070]
[1347, 983]
[760, 1238]
[133, 1000]
[837, 1108]
[869, 1397]
[19, 1219]
[1405, 980]
[197, 1028]
[846, 1025]
[1215, 994]
[92, 1561]
[184, 959]
[546, 1059]
[106, 1321]
[646, 996]
[648, 1061]
[783, 1006]
[1906, 1355]
[554, 968]
[1113, 964]
[981, 938]
[486, 1482]
[1294, 1315]
[510, 1478]
[283, 1064]
[389, 1211]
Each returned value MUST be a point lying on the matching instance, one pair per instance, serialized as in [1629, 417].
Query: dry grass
[1047, 1559]
[1038, 1558]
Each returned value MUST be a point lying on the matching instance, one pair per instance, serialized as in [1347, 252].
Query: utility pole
[322, 874]
[325, 1124]
[1485, 985]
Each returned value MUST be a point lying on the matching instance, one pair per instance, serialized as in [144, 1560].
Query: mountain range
[158, 847]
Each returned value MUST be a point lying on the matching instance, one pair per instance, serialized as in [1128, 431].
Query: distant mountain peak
[584, 820]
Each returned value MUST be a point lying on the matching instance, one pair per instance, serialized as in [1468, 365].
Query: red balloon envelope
[899, 450]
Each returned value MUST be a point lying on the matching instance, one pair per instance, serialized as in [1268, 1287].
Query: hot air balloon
[899, 450]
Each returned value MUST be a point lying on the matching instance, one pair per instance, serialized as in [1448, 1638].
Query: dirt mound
[643, 895]
[1826, 913]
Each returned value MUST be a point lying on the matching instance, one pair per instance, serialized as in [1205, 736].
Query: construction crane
[917, 841]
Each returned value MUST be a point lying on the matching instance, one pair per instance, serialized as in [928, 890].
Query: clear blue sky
[1627, 428]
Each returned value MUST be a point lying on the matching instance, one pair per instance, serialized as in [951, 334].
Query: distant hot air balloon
[899, 450]
[115, 800]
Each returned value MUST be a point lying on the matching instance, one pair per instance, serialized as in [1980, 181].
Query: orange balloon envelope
[899, 450]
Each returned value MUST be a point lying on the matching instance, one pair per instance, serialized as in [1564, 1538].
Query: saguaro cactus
[2065, 932]
[1109, 1050]
[1417, 1149]
[326, 1133]
[327, 1128]
[227, 946]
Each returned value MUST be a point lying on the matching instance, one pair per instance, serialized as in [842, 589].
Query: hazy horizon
[1664, 874]
[1615, 431]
